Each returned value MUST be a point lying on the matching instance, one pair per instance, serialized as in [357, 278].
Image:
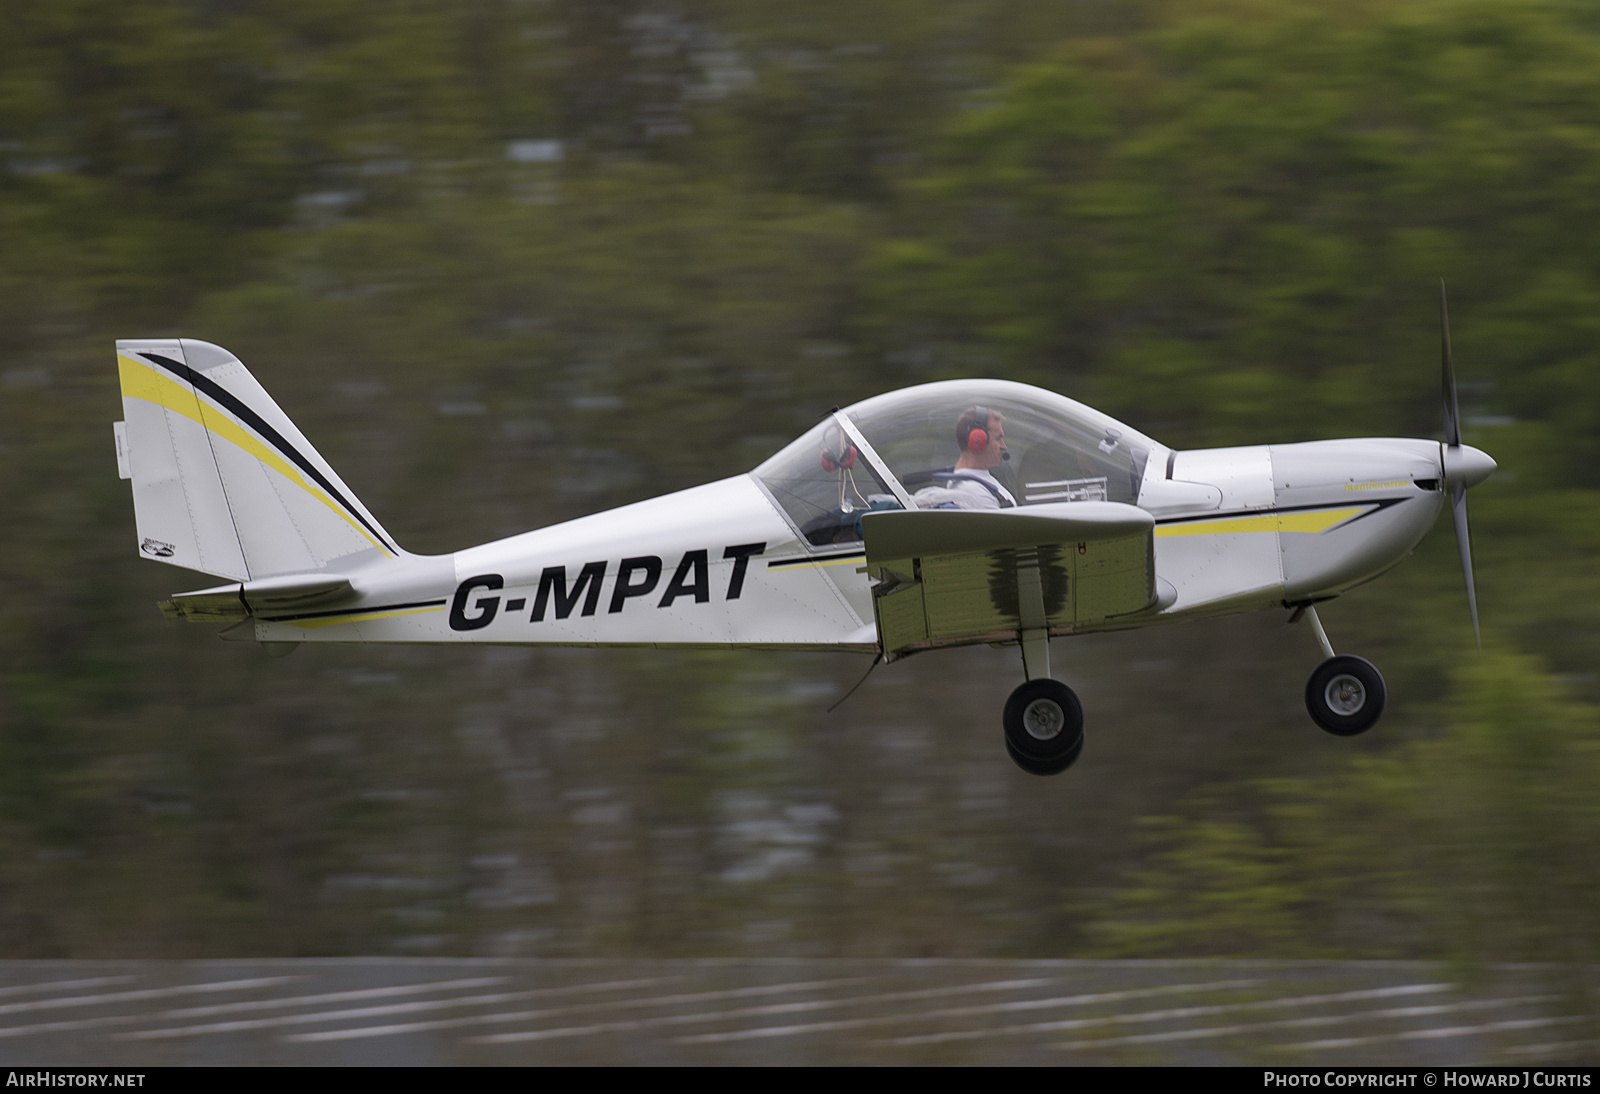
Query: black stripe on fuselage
[354, 611]
[250, 418]
[811, 560]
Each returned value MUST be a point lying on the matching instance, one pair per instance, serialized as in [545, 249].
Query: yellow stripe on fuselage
[858, 559]
[353, 617]
[1318, 520]
[1313, 521]
[140, 381]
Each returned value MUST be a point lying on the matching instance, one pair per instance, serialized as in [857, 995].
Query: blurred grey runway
[497, 1011]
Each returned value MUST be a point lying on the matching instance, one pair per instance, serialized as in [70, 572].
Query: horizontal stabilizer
[918, 533]
[231, 603]
[296, 591]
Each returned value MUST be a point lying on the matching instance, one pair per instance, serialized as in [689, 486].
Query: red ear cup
[977, 440]
[845, 462]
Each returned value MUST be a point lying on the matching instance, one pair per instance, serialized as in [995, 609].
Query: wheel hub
[1345, 695]
[1044, 719]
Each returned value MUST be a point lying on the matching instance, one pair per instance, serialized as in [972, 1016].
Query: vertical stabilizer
[223, 482]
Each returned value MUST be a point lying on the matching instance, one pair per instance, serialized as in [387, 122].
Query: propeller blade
[1458, 514]
[1452, 415]
[1452, 438]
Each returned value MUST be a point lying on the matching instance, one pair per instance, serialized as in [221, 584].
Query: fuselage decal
[635, 578]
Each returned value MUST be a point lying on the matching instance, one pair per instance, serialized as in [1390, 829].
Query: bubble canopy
[1054, 450]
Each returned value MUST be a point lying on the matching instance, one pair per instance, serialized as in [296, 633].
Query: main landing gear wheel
[1044, 727]
[1345, 695]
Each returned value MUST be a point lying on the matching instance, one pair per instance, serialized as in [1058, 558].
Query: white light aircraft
[949, 514]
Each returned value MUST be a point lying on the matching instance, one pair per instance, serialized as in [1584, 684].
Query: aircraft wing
[950, 577]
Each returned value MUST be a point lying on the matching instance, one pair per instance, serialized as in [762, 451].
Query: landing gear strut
[1043, 718]
[1345, 695]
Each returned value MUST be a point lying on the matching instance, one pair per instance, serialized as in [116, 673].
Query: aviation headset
[972, 436]
[839, 461]
[838, 454]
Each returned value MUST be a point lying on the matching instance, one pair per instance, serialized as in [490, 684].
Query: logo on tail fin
[156, 548]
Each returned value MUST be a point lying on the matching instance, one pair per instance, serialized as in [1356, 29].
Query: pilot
[981, 435]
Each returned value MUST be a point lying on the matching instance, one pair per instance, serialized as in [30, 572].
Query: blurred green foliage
[1497, 858]
[1234, 223]
[512, 261]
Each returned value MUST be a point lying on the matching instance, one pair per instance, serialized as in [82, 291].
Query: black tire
[1345, 696]
[1044, 727]
[1045, 767]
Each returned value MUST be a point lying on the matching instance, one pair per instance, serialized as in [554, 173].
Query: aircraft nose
[1467, 465]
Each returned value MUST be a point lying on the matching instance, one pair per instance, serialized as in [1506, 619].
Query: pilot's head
[981, 433]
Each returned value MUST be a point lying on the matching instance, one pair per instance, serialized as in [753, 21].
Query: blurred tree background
[508, 262]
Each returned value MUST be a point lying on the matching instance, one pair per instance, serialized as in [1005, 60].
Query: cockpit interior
[958, 444]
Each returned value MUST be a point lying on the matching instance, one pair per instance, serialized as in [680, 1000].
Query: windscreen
[825, 486]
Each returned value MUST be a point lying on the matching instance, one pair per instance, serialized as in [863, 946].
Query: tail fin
[223, 482]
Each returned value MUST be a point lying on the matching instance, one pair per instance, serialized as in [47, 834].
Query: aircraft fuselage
[1237, 529]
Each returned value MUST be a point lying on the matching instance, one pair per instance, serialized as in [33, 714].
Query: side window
[1058, 472]
[825, 486]
[1109, 470]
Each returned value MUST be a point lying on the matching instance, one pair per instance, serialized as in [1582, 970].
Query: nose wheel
[1345, 695]
[1044, 727]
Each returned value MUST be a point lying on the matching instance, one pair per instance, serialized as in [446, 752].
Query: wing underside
[959, 578]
